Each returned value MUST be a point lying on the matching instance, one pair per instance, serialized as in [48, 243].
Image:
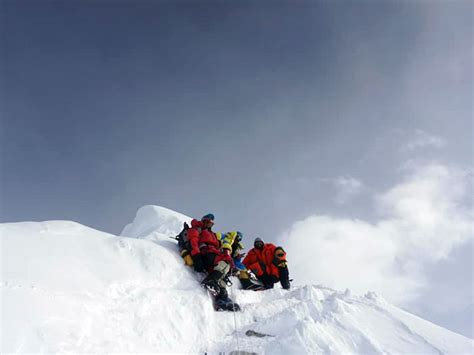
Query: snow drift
[69, 288]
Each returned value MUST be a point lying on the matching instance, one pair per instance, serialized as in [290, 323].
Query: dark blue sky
[111, 105]
[250, 110]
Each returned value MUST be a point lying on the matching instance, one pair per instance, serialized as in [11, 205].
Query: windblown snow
[69, 288]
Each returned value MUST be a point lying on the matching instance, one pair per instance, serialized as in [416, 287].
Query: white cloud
[422, 221]
[421, 139]
[347, 188]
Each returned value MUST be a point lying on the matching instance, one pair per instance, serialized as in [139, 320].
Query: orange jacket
[262, 261]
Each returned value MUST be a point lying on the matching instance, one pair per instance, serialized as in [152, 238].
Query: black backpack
[182, 237]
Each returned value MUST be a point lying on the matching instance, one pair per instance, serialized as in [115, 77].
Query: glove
[197, 262]
[285, 278]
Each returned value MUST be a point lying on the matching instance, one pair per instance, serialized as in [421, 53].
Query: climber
[268, 262]
[233, 242]
[207, 255]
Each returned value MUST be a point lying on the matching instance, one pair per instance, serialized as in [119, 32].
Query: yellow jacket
[228, 239]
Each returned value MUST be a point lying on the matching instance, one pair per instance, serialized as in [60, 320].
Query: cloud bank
[421, 220]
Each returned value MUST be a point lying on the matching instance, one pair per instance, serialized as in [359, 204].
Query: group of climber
[220, 256]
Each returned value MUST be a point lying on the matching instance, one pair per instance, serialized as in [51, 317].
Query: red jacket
[261, 261]
[202, 240]
[205, 241]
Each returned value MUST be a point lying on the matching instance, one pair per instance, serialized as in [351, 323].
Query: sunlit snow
[69, 288]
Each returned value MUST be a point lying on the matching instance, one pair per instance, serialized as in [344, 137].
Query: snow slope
[69, 288]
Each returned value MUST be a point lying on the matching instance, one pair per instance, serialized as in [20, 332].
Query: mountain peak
[69, 288]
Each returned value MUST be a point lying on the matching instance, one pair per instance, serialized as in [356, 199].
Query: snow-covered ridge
[155, 219]
[69, 288]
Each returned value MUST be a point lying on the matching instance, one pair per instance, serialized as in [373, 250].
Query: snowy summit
[69, 288]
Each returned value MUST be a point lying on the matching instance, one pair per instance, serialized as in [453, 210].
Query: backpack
[182, 237]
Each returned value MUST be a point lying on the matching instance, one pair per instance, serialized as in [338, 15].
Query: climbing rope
[235, 321]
